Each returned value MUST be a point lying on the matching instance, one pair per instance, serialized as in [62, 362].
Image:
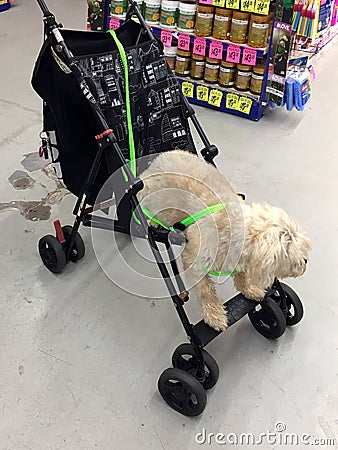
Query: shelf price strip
[218, 3]
[239, 103]
[114, 23]
[200, 45]
[188, 89]
[215, 49]
[202, 93]
[262, 7]
[215, 97]
[232, 4]
[249, 56]
[183, 42]
[166, 37]
[233, 53]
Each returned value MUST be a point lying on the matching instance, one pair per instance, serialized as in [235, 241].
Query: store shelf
[256, 109]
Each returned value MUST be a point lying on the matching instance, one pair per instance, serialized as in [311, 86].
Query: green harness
[132, 163]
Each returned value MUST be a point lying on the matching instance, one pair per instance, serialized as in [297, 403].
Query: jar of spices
[239, 27]
[183, 61]
[222, 23]
[197, 67]
[170, 56]
[257, 77]
[211, 70]
[226, 74]
[152, 11]
[258, 31]
[204, 20]
[242, 77]
[168, 13]
[186, 17]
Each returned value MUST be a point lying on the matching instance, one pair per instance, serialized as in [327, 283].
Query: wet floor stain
[33, 161]
[34, 210]
[21, 180]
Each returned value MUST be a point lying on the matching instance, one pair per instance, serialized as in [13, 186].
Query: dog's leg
[244, 285]
[212, 309]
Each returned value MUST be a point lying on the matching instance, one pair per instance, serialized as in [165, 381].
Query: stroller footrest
[237, 307]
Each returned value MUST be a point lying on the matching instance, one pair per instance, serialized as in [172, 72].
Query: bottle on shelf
[186, 17]
[168, 14]
[183, 61]
[204, 20]
[197, 67]
[151, 11]
[257, 77]
[211, 70]
[170, 54]
[258, 31]
[222, 23]
[242, 77]
[226, 75]
[239, 27]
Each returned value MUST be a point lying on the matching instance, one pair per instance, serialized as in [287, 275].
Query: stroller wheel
[52, 253]
[295, 307]
[269, 320]
[182, 392]
[184, 358]
[78, 250]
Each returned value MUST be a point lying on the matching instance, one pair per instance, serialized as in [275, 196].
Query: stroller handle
[44, 8]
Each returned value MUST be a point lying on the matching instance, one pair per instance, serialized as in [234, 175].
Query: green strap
[129, 122]
[203, 213]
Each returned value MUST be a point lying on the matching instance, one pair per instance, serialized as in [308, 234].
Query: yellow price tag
[262, 7]
[248, 5]
[215, 97]
[232, 4]
[218, 3]
[244, 105]
[202, 93]
[188, 89]
[231, 101]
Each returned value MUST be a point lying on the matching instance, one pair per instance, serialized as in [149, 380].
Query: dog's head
[277, 247]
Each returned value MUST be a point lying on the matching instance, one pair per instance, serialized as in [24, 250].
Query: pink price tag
[233, 53]
[199, 46]
[216, 49]
[114, 23]
[249, 56]
[205, 2]
[184, 42]
[166, 37]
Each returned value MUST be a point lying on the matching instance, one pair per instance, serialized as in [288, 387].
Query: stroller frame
[182, 387]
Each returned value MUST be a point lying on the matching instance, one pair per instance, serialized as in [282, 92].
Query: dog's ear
[286, 237]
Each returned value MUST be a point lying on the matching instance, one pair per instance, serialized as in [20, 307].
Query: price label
[183, 42]
[166, 37]
[202, 93]
[199, 46]
[248, 5]
[232, 4]
[215, 49]
[188, 89]
[114, 23]
[249, 56]
[244, 105]
[262, 7]
[231, 101]
[215, 97]
[218, 3]
[205, 2]
[233, 53]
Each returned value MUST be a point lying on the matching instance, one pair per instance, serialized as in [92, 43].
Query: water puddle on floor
[21, 180]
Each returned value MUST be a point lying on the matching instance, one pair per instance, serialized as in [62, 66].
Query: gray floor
[80, 358]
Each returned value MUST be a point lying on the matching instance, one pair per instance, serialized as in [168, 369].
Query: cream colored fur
[260, 241]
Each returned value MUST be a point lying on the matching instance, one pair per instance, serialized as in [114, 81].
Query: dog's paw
[254, 293]
[216, 319]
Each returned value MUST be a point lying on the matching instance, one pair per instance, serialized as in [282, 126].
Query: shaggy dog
[257, 242]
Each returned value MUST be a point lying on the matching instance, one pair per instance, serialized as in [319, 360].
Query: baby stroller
[109, 99]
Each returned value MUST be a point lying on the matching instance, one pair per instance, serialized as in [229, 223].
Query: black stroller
[108, 100]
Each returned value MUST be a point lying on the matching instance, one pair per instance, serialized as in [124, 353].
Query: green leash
[129, 122]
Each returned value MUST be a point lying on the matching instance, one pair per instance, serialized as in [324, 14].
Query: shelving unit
[4, 5]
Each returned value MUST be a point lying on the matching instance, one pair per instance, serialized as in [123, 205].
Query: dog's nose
[305, 260]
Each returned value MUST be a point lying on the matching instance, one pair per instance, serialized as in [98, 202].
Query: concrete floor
[80, 358]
